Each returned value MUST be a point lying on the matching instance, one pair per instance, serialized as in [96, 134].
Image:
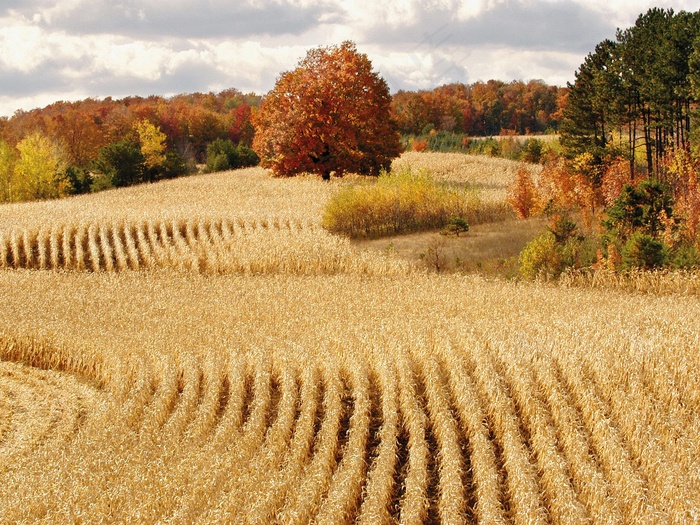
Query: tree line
[90, 145]
[636, 96]
[481, 108]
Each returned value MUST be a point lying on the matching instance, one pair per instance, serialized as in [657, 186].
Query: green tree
[40, 169]
[541, 257]
[644, 252]
[593, 104]
[120, 164]
[641, 86]
[643, 208]
[223, 154]
[330, 114]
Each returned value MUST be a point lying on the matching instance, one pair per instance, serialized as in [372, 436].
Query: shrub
[559, 248]
[522, 195]
[218, 162]
[532, 151]
[639, 208]
[223, 154]
[510, 147]
[644, 252]
[686, 257]
[541, 257]
[455, 226]
[246, 156]
[396, 203]
[174, 165]
[121, 164]
[445, 141]
[486, 146]
[419, 145]
[564, 229]
[79, 179]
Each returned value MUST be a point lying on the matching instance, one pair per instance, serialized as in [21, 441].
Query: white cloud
[141, 60]
[253, 64]
[52, 50]
[22, 47]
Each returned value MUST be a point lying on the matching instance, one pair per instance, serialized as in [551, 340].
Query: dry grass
[193, 245]
[405, 201]
[489, 249]
[248, 194]
[233, 222]
[329, 397]
[490, 175]
[658, 282]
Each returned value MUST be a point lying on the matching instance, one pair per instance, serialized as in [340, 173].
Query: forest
[89, 145]
[625, 194]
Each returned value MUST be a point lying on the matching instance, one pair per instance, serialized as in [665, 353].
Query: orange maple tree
[329, 115]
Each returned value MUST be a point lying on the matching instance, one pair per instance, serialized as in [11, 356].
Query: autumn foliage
[330, 114]
[522, 195]
[90, 145]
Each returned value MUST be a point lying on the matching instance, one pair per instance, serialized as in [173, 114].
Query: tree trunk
[646, 115]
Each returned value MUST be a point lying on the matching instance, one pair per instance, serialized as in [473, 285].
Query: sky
[74, 49]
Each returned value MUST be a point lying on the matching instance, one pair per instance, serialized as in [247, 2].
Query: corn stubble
[156, 373]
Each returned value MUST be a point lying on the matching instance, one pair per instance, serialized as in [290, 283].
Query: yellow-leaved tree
[152, 141]
[40, 171]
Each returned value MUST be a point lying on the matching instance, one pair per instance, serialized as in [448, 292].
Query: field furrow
[587, 477]
[340, 504]
[271, 455]
[523, 495]
[303, 501]
[264, 499]
[378, 505]
[486, 480]
[609, 447]
[450, 465]
[555, 475]
[414, 502]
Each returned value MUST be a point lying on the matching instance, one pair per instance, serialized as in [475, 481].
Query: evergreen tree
[643, 85]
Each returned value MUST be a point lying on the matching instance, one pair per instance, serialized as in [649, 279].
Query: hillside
[256, 369]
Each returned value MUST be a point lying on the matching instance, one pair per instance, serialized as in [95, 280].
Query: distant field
[217, 357]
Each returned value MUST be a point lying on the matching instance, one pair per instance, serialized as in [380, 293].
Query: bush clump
[644, 252]
[223, 154]
[558, 249]
[541, 257]
[400, 202]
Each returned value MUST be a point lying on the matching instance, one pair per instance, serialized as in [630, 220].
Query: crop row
[200, 246]
[424, 435]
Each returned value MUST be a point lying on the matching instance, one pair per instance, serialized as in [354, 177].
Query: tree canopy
[330, 114]
[637, 93]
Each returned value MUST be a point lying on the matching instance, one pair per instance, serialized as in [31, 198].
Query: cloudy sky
[72, 49]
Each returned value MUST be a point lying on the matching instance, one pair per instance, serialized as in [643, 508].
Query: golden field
[172, 378]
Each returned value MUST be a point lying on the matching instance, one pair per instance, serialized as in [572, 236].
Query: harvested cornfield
[341, 399]
[188, 392]
[268, 245]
